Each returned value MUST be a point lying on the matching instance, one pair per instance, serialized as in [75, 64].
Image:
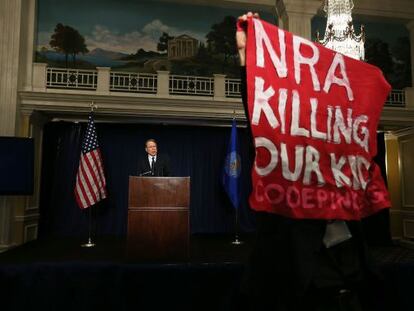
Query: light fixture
[340, 35]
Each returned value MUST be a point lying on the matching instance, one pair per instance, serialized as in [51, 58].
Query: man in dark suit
[154, 164]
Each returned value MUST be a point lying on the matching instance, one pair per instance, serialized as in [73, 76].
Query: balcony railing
[71, 78]
[233, 88]
[103, 80]
[133, 82]
[396, 98]
[191, 85]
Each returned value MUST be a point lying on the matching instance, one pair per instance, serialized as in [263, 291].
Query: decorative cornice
[403, 132]
[400, 118]
[76, 105]
[396, 9]
[302, 7]
[243, 5]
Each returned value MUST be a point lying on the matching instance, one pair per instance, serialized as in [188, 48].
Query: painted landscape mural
[138, 36]
[183, 38]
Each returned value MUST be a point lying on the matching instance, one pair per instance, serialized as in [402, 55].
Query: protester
[305, 258]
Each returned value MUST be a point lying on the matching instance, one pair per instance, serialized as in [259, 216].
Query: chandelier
[339, 34]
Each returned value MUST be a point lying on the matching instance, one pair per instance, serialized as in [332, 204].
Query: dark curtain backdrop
[194, 151]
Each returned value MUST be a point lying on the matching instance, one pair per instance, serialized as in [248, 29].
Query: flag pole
[236, 240]
[90, 243]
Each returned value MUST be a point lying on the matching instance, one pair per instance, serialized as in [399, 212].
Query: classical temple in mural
[182, 47]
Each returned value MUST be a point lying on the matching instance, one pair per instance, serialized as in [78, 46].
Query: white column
[219, 86]
[28, 28]
[409, 91]
[17, 24]
[10, 18]
[39, 77]
[299, 24]
[296, 16]
[104, 78]
[9, 64]
[163, 83]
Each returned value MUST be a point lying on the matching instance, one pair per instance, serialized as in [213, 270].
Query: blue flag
[232, 169]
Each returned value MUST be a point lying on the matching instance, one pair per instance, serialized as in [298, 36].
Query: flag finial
[93, 106]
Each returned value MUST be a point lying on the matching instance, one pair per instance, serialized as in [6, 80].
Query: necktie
[152, 165]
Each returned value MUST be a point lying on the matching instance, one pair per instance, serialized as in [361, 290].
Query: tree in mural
[221, 38]
[202, 53]
[69, 41]
[378, 53]
[402, 66]
[163, 42]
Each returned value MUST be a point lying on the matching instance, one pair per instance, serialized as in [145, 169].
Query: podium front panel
[158, 218]
[158, 234]
[159, 192]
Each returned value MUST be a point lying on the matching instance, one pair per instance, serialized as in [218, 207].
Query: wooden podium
[158, 218]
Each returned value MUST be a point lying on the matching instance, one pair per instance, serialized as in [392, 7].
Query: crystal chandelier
[340, 35]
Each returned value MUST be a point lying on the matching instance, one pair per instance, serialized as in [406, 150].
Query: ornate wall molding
[127, 106]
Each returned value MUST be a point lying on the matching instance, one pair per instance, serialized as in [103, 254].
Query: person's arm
[241, 39]
[241, 36]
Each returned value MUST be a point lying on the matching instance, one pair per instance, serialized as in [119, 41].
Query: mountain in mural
[141, 54]
[101, 53]
[100, 58]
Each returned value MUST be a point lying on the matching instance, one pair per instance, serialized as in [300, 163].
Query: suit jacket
[161, 166]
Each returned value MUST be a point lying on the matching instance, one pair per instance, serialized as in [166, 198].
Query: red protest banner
[314, 115]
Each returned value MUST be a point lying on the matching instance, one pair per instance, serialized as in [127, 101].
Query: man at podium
[153, 163]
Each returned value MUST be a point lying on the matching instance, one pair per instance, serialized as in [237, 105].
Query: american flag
[90, 180]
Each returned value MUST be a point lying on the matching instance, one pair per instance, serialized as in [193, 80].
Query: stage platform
[61, 275]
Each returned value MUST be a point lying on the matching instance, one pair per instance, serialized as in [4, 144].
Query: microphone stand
[145, 173]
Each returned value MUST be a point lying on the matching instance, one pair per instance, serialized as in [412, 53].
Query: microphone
[145, 173]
